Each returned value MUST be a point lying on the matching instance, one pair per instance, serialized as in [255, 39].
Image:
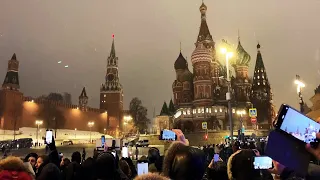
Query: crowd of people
[180, 162]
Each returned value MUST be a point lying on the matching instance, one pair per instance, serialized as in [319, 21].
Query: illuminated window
[233, 111]
[262, 76]
[258, 83]
[188, 111]
[199, 110]
[220, 110]
[258, 77]
[209, 110]
[202, 110]
[104, 95]
[215, 110]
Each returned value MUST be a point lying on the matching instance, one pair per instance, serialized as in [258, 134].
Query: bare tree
[139, 114]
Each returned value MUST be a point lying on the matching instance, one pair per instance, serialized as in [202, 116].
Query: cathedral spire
[204, 33]
[11, 80]
[260, 79]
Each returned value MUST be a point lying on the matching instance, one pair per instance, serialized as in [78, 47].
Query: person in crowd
[106, 167]
[217, 170]
[50, 172]
[28, 166]
[74, 170]
[41, 162]
[63, 167]
[188, 164]
[88, 169]
[151, 176]
[125, 168]
[153, 158]
[84, 154]
[132, 166]
[12, 168]
[32, 159]
[240, 167]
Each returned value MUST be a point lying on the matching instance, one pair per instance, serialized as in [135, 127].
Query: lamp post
[90, 124]
[228, 94]
[75, 133]
[241, 113]
[126, 119]
[38, 123]
[300, 85]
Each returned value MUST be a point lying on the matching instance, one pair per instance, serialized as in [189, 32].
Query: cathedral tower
[205, 38]
[183, 85]
[111, 92]
[242, 83]
[261, 96]
[202, 58]
[11, 98]
[83, 100]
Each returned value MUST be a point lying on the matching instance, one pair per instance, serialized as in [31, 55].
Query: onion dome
[180, 63]
[243, 58]
[186, 76]
[201, 53]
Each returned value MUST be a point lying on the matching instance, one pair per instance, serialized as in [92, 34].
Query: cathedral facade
[200, 94]
[17, 110]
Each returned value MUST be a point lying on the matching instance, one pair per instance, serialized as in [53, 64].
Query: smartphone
[124, 152]
[103, 140]
[167, 135]
[296, 124]
[142, 168]
[262, 162]
[49, 136]
[216, 157]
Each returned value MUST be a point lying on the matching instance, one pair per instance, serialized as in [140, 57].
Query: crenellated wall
[12, 101]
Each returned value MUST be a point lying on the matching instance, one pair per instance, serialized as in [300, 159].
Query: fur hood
[150, 176]
[229, 164]
[12, 163]
[170, 155]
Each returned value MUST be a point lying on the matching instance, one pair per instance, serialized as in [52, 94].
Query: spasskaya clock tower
[111, 92]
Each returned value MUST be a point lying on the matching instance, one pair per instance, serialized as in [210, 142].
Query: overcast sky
[147, 37]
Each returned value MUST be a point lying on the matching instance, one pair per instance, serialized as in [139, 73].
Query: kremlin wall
[18, 111]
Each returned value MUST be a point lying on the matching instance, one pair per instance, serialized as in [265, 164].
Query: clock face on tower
[110, 77]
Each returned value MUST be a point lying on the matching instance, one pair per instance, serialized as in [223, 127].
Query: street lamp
[75, 133]
[241, 113]
[90, 124]
[38, 123]
[228, 55]
[300, 85]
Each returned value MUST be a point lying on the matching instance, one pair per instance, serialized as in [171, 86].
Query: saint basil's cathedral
[200, 95]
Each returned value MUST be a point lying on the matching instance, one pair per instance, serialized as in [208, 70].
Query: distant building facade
[18, 111]
[200, 94]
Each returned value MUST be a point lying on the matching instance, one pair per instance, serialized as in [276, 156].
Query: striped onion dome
[201, 54]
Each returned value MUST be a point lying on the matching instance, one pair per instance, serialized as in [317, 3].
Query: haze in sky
[147, 40]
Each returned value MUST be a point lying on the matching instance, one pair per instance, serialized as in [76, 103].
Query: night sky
[147, 40]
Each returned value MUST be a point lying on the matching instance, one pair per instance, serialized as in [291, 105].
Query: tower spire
[11, 80]
[180, 46]
[238, 35]
[113, 50]
[204, 33]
